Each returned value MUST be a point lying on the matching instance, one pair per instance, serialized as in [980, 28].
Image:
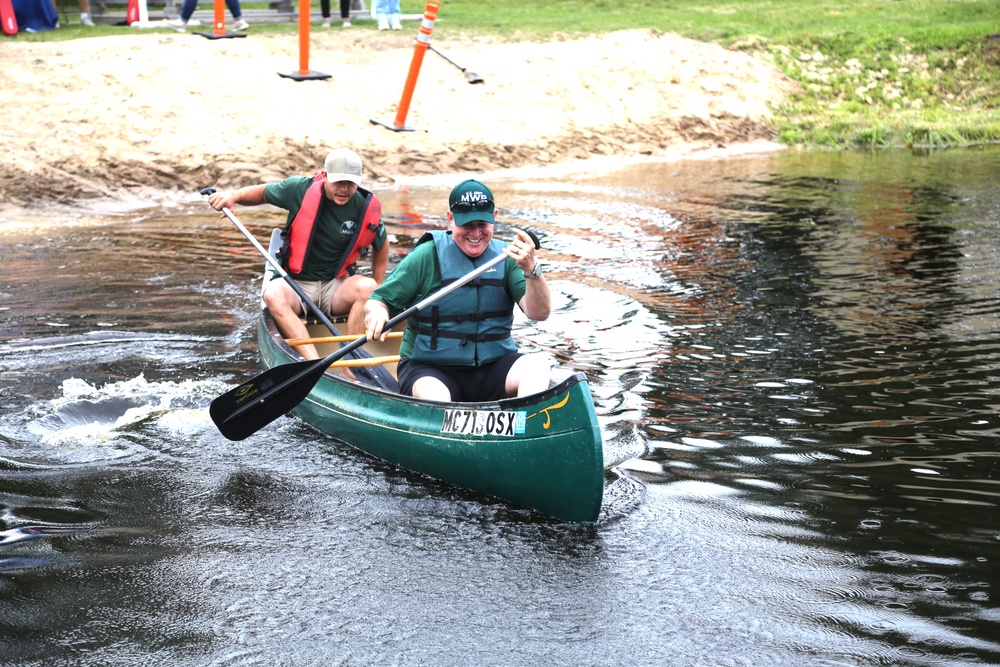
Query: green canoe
[542, 452]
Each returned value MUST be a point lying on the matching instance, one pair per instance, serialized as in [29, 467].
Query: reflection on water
[794, 359]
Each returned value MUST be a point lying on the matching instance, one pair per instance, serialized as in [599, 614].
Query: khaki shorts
[321, 293]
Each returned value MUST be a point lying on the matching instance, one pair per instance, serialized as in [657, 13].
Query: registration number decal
[484, 422]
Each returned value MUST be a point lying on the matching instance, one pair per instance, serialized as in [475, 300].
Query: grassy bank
[872, 72]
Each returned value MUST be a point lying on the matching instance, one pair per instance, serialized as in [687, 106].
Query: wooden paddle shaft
[368, 361]
[293, 342]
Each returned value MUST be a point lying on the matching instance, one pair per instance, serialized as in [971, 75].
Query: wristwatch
[536, 272]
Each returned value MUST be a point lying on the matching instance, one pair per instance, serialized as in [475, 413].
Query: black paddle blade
[241, 412]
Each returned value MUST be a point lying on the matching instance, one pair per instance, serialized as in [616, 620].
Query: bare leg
[85, 13]
[529, 375]
[432, 389]
[286, 309]
[356, 318]
[350, 298]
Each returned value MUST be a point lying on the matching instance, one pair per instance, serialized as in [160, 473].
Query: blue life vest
[471, 326]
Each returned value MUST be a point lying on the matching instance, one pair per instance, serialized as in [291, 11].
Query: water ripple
[87, 424]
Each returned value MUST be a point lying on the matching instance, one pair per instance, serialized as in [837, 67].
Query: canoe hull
[542, 452]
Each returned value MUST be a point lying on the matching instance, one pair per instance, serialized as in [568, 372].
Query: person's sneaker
[87, 22]
[241, 25]
[383, 23]
[347, 24]
[396, 25]
[180, 25]
[326, 23]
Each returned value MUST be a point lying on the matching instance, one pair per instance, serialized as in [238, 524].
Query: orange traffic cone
[8, 21]
[132, 12]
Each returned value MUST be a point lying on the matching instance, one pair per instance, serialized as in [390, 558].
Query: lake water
[796, 363]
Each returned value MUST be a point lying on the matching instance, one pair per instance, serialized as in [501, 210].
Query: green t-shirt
[334, 227]
[418, 276]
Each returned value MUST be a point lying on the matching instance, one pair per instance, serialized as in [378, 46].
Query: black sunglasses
[470, 206]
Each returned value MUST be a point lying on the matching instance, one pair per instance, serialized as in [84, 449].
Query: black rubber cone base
[225, 35]
[393, 126]
[305, 76]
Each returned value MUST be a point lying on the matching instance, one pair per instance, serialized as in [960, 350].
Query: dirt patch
[117, 116]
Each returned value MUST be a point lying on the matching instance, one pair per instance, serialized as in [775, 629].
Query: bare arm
[537, 300]
[380, 261]
[252, 195]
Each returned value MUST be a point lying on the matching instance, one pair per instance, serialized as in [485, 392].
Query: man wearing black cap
[460, 348]
[331, 222]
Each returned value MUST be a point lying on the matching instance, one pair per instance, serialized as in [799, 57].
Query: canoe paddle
[244, 410]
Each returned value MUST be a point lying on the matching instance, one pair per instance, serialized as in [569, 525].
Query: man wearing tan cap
[331, 223]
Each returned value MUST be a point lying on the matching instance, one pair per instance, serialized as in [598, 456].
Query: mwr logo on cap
[343, 164]
[471, 200]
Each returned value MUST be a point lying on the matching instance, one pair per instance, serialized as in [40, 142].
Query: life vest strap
[465, 317]
[466, 338]
[478, 282]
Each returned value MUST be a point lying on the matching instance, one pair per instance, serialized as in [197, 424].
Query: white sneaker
[179, 25]
[87, 22]
[241, 25]
[397, 26]
[347, 24]
[383, 23]
[394, 22]
[326, 23]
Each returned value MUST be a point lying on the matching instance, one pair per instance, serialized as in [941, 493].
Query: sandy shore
[115, 117]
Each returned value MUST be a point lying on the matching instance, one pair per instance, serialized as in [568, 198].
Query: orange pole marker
[419, 50]
[132, 11]
[303, 73]
[304, 34]
[219, 23]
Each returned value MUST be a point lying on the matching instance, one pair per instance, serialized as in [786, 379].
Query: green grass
[872, 72]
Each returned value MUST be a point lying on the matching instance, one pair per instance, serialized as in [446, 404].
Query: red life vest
[301, 228]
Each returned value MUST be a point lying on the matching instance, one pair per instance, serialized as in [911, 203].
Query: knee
[533, 367]
[537, 362]
[275, 300]
[430, 388]
[271, 300]
[363, 287]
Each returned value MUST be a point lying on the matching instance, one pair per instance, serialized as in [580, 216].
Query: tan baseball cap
[343, 164]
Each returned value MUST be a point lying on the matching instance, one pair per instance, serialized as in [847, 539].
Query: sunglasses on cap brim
[481, 205]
